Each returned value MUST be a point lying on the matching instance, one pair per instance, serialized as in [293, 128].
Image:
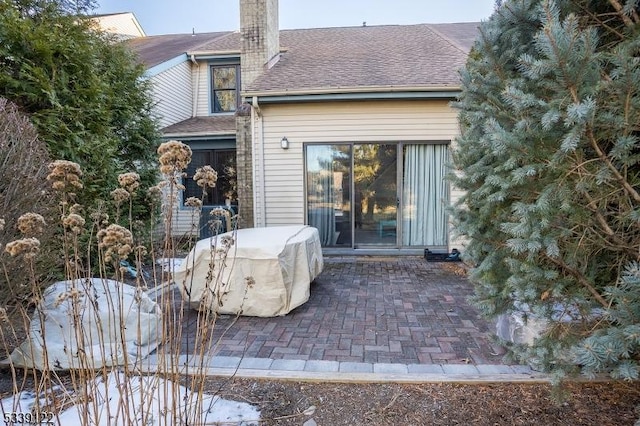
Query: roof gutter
[357, 93]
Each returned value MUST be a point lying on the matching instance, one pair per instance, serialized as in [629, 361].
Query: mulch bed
[283, 403]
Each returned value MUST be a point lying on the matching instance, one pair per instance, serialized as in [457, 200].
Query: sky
[185, 16]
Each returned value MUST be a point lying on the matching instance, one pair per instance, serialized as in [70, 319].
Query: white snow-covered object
[267, 271]
[523, 326]
[87, 324]
[118, 399]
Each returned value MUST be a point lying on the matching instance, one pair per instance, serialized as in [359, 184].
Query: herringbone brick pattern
[368, 309]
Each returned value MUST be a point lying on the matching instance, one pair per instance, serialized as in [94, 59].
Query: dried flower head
[64, 175]
[74, 294]
[74, 222]
[249, 281]
[31, 224]
[140, 250]
[120, 195]
[28, 247]
[116, 241]
[174, 157]
[4, 317]
[154, 193]
[100, 218]
[226, 241]
[76, 208]
[193, 202]
[129, 181]
[206, 177]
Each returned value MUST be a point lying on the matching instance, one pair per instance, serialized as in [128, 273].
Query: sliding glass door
[375, 169]
[378, 195]
[329, 193]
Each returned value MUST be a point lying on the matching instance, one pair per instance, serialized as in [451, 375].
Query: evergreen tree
[83, 91]
[549, 157]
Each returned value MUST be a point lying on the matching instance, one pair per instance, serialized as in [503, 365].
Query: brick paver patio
[370, 309]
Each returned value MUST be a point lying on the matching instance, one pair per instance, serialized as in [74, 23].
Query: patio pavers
[391, 310]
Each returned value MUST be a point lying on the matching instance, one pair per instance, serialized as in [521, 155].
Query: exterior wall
[173, 94]
[279, 174]
[201, 89]
[124, 25]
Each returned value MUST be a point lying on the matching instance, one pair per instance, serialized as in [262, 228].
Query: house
[123, 25]
[345, 129]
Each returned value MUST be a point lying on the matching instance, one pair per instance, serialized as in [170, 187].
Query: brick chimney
[260, 37]
[260, 48]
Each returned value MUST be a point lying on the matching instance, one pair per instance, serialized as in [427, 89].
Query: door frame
[396, 248]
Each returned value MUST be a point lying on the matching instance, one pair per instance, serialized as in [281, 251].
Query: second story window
[224, 88]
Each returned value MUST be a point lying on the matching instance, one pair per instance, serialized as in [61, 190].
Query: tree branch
[627, 21]
[629, 189]
[579, 278]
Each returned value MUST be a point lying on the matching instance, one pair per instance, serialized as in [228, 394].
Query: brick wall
[244, 166]
[259, 36]
[260, 43]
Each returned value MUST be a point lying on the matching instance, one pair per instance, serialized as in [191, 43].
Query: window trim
[212, 90]
[213, 152]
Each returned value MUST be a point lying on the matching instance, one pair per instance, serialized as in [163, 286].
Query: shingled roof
[154, 50]
[386, 57]
[390, 57]
[220, 125]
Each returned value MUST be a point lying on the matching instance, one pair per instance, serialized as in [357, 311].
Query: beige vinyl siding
[201, 89]
[172, 91]
[124, 25]
[184, 221]
[283, 170]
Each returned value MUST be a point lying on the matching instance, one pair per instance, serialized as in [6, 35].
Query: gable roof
[386, 58]
[375, 58]
[123, 25]
[154, 50]
[462, 34]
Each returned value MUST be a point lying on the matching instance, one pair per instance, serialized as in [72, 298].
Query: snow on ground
[140, 400]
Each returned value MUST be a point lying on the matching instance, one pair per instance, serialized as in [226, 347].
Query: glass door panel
[329, 193]
[375, 202]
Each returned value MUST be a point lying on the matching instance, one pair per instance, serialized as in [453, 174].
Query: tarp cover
[87, 324]
[267, 271]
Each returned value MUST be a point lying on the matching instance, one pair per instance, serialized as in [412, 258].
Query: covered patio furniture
[265, 272]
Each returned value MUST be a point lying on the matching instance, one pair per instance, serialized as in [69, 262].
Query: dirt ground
[284, 403]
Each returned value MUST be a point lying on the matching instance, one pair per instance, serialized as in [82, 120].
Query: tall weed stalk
[183, 354]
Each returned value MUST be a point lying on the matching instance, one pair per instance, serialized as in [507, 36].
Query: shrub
[23, 189]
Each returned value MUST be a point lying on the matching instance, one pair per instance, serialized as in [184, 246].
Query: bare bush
[23, 189]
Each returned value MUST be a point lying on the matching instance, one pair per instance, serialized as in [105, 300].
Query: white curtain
[425, 195]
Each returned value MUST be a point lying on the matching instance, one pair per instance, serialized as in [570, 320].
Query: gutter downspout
[194, 106]
[257, 148]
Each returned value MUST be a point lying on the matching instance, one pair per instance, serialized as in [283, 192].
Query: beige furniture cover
[267, 271]
[115, 323]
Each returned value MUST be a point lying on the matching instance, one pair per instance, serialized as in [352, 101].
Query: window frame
[213, 90]
[213, 194]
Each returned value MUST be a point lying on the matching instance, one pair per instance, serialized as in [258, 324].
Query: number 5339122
[41, 418]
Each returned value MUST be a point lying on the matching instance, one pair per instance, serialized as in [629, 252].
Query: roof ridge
[452, 42]
[222, 36]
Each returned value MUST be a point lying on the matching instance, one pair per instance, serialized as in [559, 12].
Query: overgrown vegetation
[100, 329]
[83, 92]
[549, 157]
[23, 171]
